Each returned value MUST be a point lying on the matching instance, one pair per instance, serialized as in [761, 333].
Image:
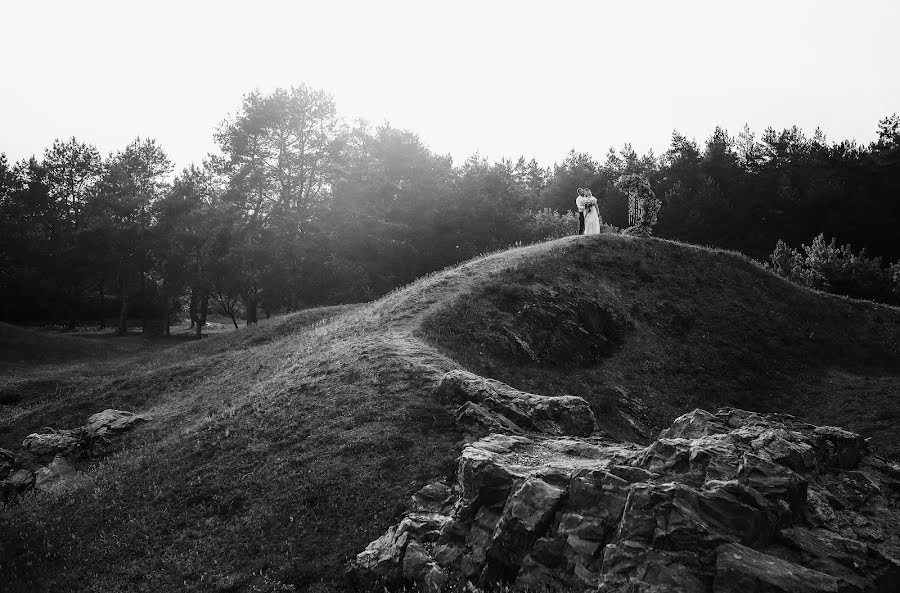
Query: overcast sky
[500, 78]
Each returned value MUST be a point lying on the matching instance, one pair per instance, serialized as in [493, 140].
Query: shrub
[835, 268]
[545, 224]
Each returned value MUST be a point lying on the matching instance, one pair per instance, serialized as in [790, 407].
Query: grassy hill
[679, 327]
[279, 451]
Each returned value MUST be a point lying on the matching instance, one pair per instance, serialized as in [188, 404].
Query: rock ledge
[719, 502]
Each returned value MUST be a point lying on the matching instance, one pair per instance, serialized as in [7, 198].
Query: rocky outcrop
[487, 406]
[719, 502]
[109, 423]
[45, 457]
[51, 444]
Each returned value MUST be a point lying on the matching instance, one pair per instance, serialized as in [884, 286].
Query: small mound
[527, 320]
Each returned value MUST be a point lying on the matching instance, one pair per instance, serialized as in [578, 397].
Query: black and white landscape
[466, 298]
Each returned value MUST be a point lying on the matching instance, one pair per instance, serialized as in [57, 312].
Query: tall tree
[73, 171]
[134, 179]
[281, 154]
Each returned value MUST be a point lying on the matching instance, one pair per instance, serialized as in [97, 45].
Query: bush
[546, 224]
[835, 268]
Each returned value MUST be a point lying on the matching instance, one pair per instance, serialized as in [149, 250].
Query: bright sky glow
[500, 78]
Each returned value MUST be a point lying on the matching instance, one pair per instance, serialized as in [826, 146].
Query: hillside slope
[276, 453]
[677, 327]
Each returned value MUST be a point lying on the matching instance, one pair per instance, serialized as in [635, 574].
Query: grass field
[278, 451]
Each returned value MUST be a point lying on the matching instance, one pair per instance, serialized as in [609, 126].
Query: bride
[591, 214]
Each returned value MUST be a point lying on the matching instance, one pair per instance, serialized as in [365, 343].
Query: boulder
[48, 445]
[111, 422]
[561, 415]
[44, 456]
[434, 497]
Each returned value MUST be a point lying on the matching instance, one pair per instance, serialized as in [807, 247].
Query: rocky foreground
[732, 501]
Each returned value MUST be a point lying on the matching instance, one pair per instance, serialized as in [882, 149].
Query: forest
[299, 207]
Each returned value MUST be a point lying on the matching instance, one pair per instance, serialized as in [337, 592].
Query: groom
[580, 202]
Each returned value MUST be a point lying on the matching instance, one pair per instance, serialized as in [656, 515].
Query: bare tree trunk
[102, 307]
[164, 301]
[123, 312]
[143, 304]
[192, 308]
[204, 307]
[74, 306]
[252, 307]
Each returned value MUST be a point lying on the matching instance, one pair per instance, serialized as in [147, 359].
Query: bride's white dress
[591, 218]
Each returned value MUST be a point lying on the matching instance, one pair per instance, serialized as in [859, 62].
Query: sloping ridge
[647, 329]
[273, 459]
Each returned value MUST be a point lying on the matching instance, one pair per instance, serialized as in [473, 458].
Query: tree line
[299, 207]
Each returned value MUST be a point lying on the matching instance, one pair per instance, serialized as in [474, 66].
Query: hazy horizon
[503, 80]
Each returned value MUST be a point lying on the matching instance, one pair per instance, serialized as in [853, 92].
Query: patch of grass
[246, 480]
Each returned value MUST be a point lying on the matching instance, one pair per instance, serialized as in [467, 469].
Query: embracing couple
[588, 216]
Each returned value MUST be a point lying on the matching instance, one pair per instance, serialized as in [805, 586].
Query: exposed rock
[420, 568]
[841, 448]
[383, 557]
[740, 569]
[474, 418]
[111, 422]
[730, 501]
[41, 445]
[435, 497]
[692, 425]
[44, 457]
[859, 566]
[525, 517]
[550, 415]
[51, 473]
[632, 410]
[19, 482]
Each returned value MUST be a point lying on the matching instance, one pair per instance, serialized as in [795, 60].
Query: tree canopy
[300, 207]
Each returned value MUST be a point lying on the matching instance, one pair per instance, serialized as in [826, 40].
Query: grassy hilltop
[279, 451]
